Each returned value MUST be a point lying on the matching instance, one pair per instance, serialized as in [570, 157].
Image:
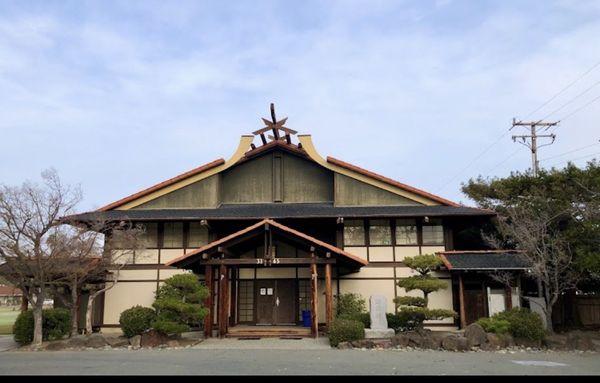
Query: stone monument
[379, 327]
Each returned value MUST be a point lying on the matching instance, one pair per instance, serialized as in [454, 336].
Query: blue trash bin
[306, 320]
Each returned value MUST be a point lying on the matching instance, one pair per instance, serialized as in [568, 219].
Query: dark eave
[282, 211]
[488, 260]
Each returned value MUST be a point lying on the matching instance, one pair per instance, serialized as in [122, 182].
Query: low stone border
[474, 338]
[149, 339]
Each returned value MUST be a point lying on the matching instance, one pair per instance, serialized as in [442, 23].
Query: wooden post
[209, 281]
[313, 300]
[461, 297]
[234, 277]
[328, 296]
[223, 300]
[508, 297]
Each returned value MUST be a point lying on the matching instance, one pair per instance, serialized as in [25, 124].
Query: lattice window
[354, 233]
[303, 296]
[246, 301]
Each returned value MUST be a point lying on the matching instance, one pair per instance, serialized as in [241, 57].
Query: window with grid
[173, 235]
[150, 236]
[433, 233]
[354, 232]
[198, 235]
[246, 301]
[406, 232]
[303, 296]
[380, 232]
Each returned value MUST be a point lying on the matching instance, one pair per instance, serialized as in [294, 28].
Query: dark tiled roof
[483, 260]
[283, 210]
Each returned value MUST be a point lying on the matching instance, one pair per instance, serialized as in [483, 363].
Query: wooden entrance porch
[221, 262]
[253, 332]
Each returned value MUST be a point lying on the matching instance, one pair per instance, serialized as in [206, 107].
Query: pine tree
[413, 310]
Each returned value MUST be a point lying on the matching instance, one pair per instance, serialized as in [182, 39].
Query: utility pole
[531, 140]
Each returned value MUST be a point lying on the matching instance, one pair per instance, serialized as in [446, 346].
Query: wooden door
[265, 302]
[474, 304]
[285, 301]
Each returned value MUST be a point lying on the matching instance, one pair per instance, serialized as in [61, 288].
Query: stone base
[379, 333]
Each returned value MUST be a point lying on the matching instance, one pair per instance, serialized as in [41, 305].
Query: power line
[571, 100]
[504, 160]
[563, 89]
[580, 108]
[575, 159]
[569, 152]
[472, 162]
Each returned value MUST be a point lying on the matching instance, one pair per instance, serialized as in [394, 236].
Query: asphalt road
[275, 362]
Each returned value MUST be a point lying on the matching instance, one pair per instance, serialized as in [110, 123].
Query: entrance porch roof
[344, 257]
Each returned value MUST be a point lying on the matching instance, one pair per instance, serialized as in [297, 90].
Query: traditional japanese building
[277, 229]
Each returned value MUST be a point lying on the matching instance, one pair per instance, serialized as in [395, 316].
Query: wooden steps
[254, 332]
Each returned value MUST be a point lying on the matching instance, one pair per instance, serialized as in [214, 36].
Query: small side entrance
[275, 302]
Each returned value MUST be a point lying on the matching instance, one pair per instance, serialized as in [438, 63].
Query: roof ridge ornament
[277, 128]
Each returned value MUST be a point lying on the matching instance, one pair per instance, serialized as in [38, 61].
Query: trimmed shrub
[523, 323]
[365, 319]
[56, 324]
[23, 327]
[350, 306]
[407, 319]
[345, 330]
[136, 320]
[495, 325]
[179, 304]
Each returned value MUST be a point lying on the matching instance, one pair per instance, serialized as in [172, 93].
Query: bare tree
[43, 248]
[28, 222]
[533, 227]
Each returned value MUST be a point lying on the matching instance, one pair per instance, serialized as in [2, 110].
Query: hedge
[56, 324]
[345, 330]
[136, 320]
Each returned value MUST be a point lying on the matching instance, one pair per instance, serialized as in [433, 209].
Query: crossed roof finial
[276, 127]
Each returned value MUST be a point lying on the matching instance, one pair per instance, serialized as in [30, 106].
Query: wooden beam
[314, 301]
[261, 261]
[328, 296]
[223, 300]
[209, 281]
[461, 298]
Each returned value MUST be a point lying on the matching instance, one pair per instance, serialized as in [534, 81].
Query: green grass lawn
[7, 318]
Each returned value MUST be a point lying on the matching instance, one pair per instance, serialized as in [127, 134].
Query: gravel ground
[260, 360]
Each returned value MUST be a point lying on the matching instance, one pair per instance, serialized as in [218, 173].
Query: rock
[77, 341]
[152, 338]
[363, 343]
[344, 345]
[556, 342]
[497, 341]
[578, 341]
[173, 343]
[135, 341]
[192, 335]
[56, 345]
[524, 342]
[382, 343]
[415, 339]
[454, 343]
[117, 342]
[400, 340]
[371, 333]
[475, 335]
[95, 341]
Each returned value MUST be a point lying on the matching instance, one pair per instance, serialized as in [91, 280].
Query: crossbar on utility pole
[533, 137]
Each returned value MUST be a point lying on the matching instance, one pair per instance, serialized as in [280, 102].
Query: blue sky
[118, 96]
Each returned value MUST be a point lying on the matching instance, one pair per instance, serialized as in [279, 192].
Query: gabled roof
[246, 150]
[483, 260]
[312, 240]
